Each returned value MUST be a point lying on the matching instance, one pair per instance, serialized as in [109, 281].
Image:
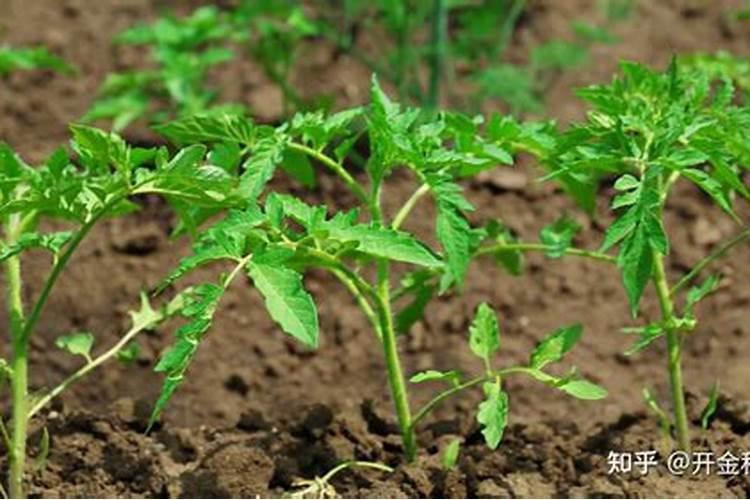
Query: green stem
[540, 247]
[438, 51]
[337, 167]
[396, 379]
[674, 352]
[717, 254]
[406, 209]
[489, 376]
[19, 366]
[57, 270]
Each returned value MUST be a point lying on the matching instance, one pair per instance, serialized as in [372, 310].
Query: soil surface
[257, 411]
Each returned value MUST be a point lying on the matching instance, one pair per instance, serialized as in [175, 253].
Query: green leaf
[378, 241]
[30, 58]
[646, 335]
[511, 260]
[286, 300]
[453, 377]
[559, 236]
[298, 166]
[423, 290]
[260, 167]
[209, 128]
[453, 230]
[145, 317]
[450, 454]
[555, 346]
[583, 389]
[484, 333]
[54, 242]
[493, 414]
[700, 292]
[712, 187]
[129, 354]
[78, 344]
[198, 305]
[710, 409]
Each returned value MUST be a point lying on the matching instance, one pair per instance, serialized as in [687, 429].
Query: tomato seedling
[276, 238]
[80, 193]
[646, 131]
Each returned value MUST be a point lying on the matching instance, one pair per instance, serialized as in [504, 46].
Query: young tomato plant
[648, 130]
[484, 342]
[78, 194]
[275, 239]
[183, 50]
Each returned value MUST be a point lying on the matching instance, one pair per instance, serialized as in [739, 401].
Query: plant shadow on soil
[274, 412]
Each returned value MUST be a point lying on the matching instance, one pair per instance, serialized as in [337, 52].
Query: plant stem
[409, 206]
[85, 369]
[540, 247]
[337, 167]
[674, 352]
[393, 363]
[438, 51]
[19, 366]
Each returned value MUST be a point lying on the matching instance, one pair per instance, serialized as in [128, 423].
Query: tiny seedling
[78, 194]
[276, 238]
[484, 342]
[647, 130]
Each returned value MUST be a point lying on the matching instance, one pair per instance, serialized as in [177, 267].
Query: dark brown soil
[303, 412]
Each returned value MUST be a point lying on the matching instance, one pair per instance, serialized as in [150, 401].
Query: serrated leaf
[378, 241]
[78, 344]
[260, 167]
[558, 236]
[213, 127]
[286, 300]
[453, 377]
[555, 346]
[453, 230]
[583, 389]
[493, 414]
[484, 333]
[198, 305]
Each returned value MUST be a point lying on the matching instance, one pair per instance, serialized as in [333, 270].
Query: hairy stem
[335, 166]
[674, 352]
[19, 366]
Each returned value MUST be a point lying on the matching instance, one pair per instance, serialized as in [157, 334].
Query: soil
[256, 411]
